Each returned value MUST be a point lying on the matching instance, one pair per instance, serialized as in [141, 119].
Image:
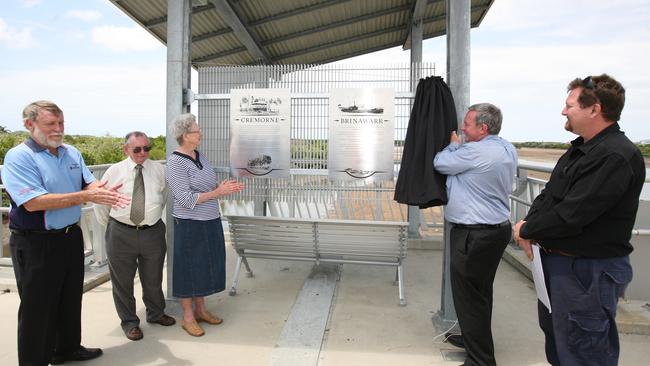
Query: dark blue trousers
[584, 292]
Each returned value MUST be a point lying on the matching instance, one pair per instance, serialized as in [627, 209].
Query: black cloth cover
[432, 119]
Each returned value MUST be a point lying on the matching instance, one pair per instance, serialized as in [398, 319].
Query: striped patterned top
[187, 178]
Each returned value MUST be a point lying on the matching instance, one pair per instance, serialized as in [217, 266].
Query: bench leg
[400, 284]
[396, 282]
[235, 278]
[249, 273]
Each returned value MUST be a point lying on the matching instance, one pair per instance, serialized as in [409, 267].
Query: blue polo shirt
[31, 170]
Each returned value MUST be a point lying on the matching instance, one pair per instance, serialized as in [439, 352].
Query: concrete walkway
[365, 325]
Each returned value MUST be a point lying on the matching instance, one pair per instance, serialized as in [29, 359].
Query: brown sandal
[193, 328]
[208, 318]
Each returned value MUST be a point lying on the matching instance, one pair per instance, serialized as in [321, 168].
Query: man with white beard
[47, 181]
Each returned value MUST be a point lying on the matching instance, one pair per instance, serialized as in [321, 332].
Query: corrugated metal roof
[295, 31]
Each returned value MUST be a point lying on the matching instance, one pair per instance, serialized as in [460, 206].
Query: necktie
[137, 200]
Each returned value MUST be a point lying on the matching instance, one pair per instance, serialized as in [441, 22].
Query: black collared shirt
[589, 205]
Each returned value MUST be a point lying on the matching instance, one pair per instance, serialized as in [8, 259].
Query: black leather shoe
[455, 340]
[165, 320]
[81, 354]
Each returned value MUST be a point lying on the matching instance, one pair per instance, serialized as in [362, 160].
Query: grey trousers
[128, 250]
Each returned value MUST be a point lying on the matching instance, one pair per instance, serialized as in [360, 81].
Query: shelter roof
[244, 32]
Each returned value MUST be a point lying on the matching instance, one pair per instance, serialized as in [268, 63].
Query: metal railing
[93, 232]
[527, 188]
[307, 196]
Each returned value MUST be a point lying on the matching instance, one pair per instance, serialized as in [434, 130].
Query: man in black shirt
[582, 221]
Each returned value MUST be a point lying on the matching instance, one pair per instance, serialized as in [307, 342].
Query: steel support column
[458, 76]
[179, 32]
[416, 62]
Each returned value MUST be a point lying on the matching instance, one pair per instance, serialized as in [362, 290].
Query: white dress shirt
[155, 189]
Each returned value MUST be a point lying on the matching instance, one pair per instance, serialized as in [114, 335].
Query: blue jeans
[584, 292]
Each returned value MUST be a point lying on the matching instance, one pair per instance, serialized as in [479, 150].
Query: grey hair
[134, 134]
[32, 110]
[182, 125]
[488, 114]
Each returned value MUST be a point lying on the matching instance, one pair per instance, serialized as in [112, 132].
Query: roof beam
[214, 56]
[337, 24]
[364, 36]
[208, 35]
[276, 17]
[195, 10]
[240, 29]
[419, 9]
[297, 11]
[356, 37]
[126, 10]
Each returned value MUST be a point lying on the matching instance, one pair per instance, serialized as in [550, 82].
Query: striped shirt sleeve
[179, 183]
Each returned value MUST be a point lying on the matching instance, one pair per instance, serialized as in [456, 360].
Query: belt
[64, 230]
[136, 227]
[558, 252]
[482, 226]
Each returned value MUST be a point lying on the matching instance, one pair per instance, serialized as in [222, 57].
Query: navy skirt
[199, 258]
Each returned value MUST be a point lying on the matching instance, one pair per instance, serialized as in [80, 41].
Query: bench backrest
[322, 239]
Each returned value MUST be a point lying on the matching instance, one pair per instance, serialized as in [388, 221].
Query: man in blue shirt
[47, 181]
[480, 175]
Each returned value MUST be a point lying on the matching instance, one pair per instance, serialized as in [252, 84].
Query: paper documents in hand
[538, 277]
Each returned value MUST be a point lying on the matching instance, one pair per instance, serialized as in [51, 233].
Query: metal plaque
[361, 133]
[260, 132]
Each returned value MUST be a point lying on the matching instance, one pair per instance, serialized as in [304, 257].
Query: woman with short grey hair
[182, 125]
[199, 246]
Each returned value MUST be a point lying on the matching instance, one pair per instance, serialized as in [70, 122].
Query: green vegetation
[95, 150]
[645, 149]
[9, 140]
[306, 154]
[309, 154]
[543, 145]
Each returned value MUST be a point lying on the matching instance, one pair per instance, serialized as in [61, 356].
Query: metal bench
[322, 240]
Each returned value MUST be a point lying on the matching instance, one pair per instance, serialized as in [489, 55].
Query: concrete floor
[366, 325]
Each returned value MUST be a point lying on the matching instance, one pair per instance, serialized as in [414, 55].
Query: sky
[108, 74]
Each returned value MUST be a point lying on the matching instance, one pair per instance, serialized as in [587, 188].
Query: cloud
[122, 39]
[10, 37]
[84, 15]
[96, 99]
[30, 3]
[529, 83]
[517, 15]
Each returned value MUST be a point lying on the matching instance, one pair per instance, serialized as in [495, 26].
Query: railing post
[98, 242]
[518, 211]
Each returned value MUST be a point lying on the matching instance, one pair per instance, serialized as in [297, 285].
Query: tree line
[95, 150]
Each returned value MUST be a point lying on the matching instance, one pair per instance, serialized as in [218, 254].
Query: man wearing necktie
[135, 235]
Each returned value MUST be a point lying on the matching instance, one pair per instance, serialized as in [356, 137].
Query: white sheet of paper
[538, 277]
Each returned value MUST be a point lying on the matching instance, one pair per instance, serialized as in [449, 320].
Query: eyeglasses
[588, 83]
[138, 149]
[197, 131]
